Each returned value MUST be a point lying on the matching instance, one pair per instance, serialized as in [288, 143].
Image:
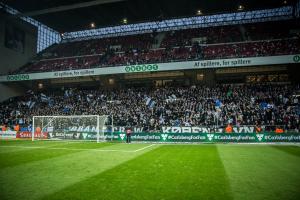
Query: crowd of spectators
[62, 64]
[100, 46]
[252, 49]
[210, 35]
[248, 40]
[195, 52]
[152, 108]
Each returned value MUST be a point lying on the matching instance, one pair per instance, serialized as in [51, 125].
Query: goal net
[73, 127]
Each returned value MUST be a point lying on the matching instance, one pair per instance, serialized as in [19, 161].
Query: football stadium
[149, 100]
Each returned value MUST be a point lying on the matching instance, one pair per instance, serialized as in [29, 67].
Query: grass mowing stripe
[167, 172]
[28, 142]
[11, 159]
[87, 145]
[90, 148]
[35, 153]
[35, 179]
[6, 149]
[292, 150]
[23, 145]
[261, 172]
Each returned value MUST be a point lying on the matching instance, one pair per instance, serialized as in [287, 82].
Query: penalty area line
[144, 148]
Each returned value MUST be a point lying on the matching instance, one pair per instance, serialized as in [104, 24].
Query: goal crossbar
[70, 116]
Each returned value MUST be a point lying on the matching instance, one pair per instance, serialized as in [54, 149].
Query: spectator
[270, 105]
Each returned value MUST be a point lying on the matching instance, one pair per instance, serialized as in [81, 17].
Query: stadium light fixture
[111, 81]
[124, 21]
[199, 12]
[92, 25]
[284, 2]
[241, 8]
[40, 85]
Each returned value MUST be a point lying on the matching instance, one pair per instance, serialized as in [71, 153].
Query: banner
[196, 129]
[217, 63]
[181, 137]
[28, 135]
[122, 129]
[8, 135]
[212, 137]
[71, 135]
[166, 129]
[79, 135]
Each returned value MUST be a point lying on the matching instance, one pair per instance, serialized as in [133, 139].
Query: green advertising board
[213, 137]
[155, 67]
[184, 137]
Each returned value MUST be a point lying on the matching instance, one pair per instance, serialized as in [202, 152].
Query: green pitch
[61, 170]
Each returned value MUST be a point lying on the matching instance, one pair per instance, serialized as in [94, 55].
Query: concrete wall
[10, 59]
[10, 90]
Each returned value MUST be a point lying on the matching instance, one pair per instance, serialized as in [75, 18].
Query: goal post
[72, 127]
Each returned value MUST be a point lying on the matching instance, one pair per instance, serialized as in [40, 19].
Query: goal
[73, 127]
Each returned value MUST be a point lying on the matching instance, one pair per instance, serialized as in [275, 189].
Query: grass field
[61, 170]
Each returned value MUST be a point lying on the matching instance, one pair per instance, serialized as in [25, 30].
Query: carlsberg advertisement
[169, 136]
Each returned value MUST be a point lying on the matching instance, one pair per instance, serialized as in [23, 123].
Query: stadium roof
[74, 15]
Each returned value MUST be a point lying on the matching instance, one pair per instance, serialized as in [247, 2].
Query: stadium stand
[196, 105]
[112, 58]
[250, 40]
[265, 104]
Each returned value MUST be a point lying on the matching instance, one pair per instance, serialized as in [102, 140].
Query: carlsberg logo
[141, 68]
[84, 135]
[122, 136]
[259, 136]
[210, 136]
[164, 136]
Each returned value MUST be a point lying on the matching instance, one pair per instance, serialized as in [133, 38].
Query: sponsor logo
[164, 136]
[237, 138]
[84, 135]
[18, 77]
[8, 134]
[260, 137]
[296, 58]
[122, 136]
[210, 136]
[77, 135]
[142, 68]
[25, 134]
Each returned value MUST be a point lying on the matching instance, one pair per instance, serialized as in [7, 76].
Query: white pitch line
[144, 148]
[78, 149]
